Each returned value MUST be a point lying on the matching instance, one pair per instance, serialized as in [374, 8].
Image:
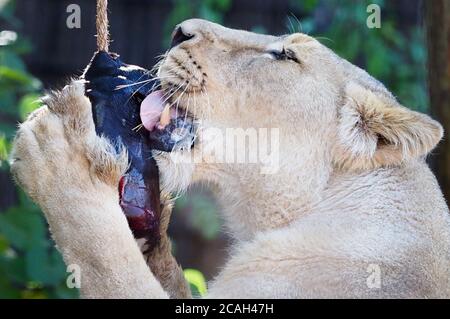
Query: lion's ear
[374, 131]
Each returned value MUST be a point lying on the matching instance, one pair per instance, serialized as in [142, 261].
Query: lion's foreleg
[73, 175]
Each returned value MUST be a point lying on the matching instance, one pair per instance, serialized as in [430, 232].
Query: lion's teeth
[165, 116]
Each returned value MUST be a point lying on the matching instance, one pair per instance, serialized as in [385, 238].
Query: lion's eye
[283, 55]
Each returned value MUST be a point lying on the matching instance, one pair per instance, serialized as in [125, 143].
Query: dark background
[140, 28]
[46, 54]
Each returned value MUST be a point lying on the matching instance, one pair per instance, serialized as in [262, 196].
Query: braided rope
[102, 25]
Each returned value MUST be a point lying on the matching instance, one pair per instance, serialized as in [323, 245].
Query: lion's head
[331, 115]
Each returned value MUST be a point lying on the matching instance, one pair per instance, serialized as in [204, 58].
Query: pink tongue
[151, 109]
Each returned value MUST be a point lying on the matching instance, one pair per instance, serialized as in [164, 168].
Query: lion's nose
[180, 35]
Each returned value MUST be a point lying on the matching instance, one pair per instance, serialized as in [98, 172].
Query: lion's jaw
[328, 113]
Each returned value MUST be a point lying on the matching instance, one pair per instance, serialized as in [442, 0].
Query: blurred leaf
[18, 77]
[208, 14]
[376, 64]
[305, 5]
[33, 294]
[3, 149]
[204, 217]
[7, 13]
[218, 5]
[352, 46]
[13, 268]
[196, 279]
[7, 73]
[28, 104]
[44, 266]
[7, 99]
[10, 59]
[308, 5]
[7, 291]
[3, 244]
[8, 130]
[23, 229]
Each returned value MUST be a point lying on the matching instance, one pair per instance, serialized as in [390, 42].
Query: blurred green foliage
[196, 281]
[203, 213]
[394, 56]
[30, 266]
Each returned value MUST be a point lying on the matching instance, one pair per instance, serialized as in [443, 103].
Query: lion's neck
[249, 211]
[256, 203]
[252, 202]
[256, 199]
[380, 191]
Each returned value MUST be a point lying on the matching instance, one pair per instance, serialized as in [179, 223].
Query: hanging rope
[102, 25]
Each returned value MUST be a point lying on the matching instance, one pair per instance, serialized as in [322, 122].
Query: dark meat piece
[116, 91]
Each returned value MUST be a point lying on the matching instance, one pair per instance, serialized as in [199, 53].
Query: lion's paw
[57, 148]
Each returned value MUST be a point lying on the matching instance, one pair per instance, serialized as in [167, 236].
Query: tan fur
[73, 175]
[352, 189]
[161, 261]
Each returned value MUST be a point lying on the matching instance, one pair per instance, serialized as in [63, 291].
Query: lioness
[352, 210]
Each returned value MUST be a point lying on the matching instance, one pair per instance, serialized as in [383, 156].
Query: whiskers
[124, 86]
[182, 97]
[157, 67]
[137, 128]
[325, 38]
[296, 26]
